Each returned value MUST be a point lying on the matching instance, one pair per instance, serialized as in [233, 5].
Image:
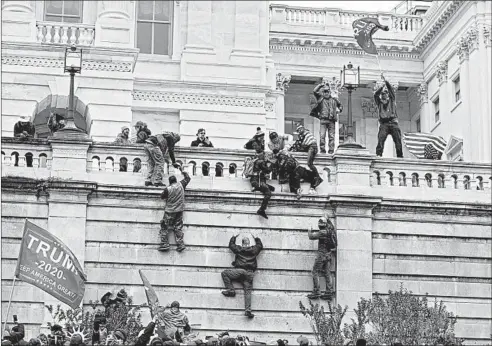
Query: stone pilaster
[199, 34]
[422, 94]
[18, 21]
[464, 55]
[114, 27]
[177, 31]
[354, 225]
[476, 97]
[442, 72]
[246, 32]
[69, 158]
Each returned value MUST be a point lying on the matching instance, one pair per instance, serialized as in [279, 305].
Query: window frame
[437, 113]
[62, 15]
[295, 120]
[418, 125]
[152, 23]
[457, 93]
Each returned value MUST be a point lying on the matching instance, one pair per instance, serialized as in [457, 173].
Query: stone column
[282, 84]
[422, 94]
[354, 225]
[67, 212]
[199, 35]
[487, 60]
[18, 21]
[114, 27]
[69, 158]
[463, 53]
[177, 37]
[247, 29]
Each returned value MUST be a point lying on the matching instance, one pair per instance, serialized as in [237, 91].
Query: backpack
[332, 239]
[249, 164]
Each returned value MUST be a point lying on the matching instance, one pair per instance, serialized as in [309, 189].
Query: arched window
[219, 168]
[29, 160]
[15, 158]
[109, 167]
[232, 169]
[441, 181]
[390, 178]
[402, 178]
[328, 174]
[3, 157]
[466, 182]
[428, 179]
[95, 163]
[479, 183]
[192, 168]
[205, 169]
[415, 180]
[455, 181]
[137, 165]
[123, 164]
[377, 176]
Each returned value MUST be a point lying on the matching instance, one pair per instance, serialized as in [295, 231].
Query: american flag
[424, 145]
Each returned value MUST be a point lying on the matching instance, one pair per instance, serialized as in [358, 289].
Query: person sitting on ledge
[56, 122]
[24, 128]
[201, 140]
[123, 137]
[256, 143]
[142, 132]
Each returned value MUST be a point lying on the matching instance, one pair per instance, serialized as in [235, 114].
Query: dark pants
[299, 174]
[155, 163]
[172, 222]
[264, 188]
[241, 275]
[322, 268]
[386, 129]
[312, 151]
[328, 126]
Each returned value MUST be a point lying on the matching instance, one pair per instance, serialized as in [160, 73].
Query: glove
[177, 165]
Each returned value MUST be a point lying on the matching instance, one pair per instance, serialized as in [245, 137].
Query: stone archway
[59, 104]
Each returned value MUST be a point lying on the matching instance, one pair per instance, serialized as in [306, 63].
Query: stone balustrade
[128, 165]
[65, 33]
[317, 20]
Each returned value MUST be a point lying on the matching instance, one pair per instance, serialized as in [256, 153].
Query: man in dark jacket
[261, 169]
[56, 122]
[141, 131]
[326, 110]
[244, 267]
[123, 136]
[256, 143]
[24, 128]
[146, 334]
[156, 148]
[173, 212]
[327, 242]
[294, 173]
[385, 99]
[16, 334]
[201, 140]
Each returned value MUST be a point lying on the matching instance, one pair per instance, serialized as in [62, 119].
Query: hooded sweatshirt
[245, 256]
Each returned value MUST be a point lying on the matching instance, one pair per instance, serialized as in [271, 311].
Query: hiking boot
[148, 183]
[326, 295]
[181, 248]
[261, 212]
[317, 182]
[229, 293]
[249, 314]
[163, 247]
[314, 295]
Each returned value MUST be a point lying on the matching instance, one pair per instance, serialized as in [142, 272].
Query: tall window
[457, 93]
[417, 122]
[154, 30]
[436, 110]
[65, 11]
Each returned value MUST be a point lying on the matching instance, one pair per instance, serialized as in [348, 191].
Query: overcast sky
[368, 6]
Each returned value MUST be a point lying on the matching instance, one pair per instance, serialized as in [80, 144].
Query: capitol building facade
[230, 67]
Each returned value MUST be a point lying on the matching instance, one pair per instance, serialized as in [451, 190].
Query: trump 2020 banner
[46, 262]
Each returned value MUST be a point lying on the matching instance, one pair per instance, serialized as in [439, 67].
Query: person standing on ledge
[327, 242]
[173, 212]
[244, 265]
[385, 99]
[201, 140]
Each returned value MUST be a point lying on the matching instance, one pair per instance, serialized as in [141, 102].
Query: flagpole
[379, 63]
[8, 307]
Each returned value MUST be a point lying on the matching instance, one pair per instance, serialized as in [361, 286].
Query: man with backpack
[327, 243]
[293, 173]
[156, 148]
[256, 169]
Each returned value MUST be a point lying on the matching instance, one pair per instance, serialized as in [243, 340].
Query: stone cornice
[429, 208]
[436, 22]
[195, 98]
[152, 84]
[341, 47]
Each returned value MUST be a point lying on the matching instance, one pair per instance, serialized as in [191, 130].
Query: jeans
[173, 222]
[155, 161]
[264, 188]
[245, 277]
[322, 268]
[312, 151]
[386, 129]
[329, 127]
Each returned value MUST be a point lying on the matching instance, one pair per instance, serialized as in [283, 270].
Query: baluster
[22, 161]
[56, 35]
[35, 162]
[48, 163]
[91, 37]
[116, 165]
[40, 36]
[102, 165]
[64, 38]
[129, 166]
[7, 161]
[73, 38]
[144, 168]
[48, 33]
[83, 36]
